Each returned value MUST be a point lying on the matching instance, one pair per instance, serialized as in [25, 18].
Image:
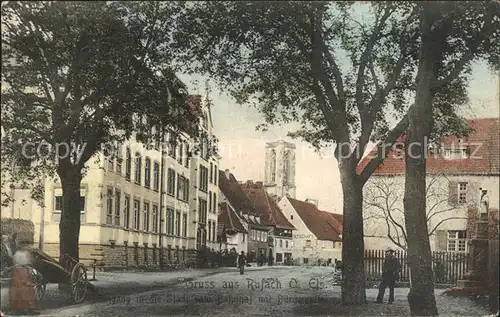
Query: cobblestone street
[283, 291]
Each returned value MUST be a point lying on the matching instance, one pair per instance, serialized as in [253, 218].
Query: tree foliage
[263, 53]
[84, 73]
[343, 70]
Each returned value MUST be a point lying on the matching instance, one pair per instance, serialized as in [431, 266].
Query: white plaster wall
[238, 241]
[319, 249]
[94, 229]
[375, 229]
[283, 248]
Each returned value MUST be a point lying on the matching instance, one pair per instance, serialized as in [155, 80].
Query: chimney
[249, 183]
[312, 201]
[228, 174]
[259, 184]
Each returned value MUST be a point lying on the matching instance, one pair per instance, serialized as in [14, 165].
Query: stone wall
[493, 224]
[135, 256]
[471, 221]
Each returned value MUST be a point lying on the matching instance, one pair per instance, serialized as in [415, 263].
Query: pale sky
[242, 147]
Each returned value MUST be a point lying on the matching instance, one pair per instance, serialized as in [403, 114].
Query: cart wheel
[78, 283]
[40, 284]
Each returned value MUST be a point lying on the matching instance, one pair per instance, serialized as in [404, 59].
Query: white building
[232, 229]
[318, 234]
[234, 210]
[460, 173]
[122, 222]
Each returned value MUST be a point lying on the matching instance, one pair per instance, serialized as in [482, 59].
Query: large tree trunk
[69, 226]
[353, 274]
[421, 297]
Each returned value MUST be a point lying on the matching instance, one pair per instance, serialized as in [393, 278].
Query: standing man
[241, 262]
[389, 275]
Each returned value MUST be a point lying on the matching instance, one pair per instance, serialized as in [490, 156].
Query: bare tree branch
[383, 148]
[382, 200]
[442, 221]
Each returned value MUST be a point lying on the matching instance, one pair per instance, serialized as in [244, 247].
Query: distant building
[318, 234]
[232, 230]
[234, 206]
[278, 240]
[280, 169]
[466, 173]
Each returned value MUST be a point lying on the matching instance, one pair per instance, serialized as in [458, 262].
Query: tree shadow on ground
[333, 307]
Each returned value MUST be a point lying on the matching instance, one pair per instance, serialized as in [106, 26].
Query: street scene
[301, 291]
[192, 158]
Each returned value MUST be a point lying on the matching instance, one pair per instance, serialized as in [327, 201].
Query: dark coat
[241, 260]
[391, 267]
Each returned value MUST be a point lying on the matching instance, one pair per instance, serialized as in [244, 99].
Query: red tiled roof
[338, 217]
[483, 143]
[268, 210]
[322, 224]
[229, 220]
[234, 194]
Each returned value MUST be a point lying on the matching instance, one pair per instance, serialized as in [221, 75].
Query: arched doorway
[201, 238]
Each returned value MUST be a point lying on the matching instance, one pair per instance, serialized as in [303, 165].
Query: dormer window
[455, 153]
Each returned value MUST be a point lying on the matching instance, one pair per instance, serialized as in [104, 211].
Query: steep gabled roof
[338, 217]
[482, 142]
[228, 219]
[268, 210]
[322, 224]
[233, 192]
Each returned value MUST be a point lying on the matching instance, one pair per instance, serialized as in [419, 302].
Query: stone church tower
[280, 169]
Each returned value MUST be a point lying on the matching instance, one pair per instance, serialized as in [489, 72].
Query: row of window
[212, 231]
[173, 225]
[280, 243]
[182, 182]
[256, 235]
[145, 216]
[324, 244]
[182, 185]
[202, 211]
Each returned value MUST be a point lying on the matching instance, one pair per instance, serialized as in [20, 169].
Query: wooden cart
[47, 270]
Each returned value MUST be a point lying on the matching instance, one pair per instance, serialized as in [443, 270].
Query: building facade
[123, 222]
[257, 240]
[318, 234]
[278, 239]
[461, 173]
[280, 169]
[232, 229]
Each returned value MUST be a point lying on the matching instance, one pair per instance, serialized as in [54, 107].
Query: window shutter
[441, 240]
[452, 193]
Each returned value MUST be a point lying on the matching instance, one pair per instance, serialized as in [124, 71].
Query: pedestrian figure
[338, 265]
[389, 275]
[439, 271]
[22, 289]
[241, 262]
